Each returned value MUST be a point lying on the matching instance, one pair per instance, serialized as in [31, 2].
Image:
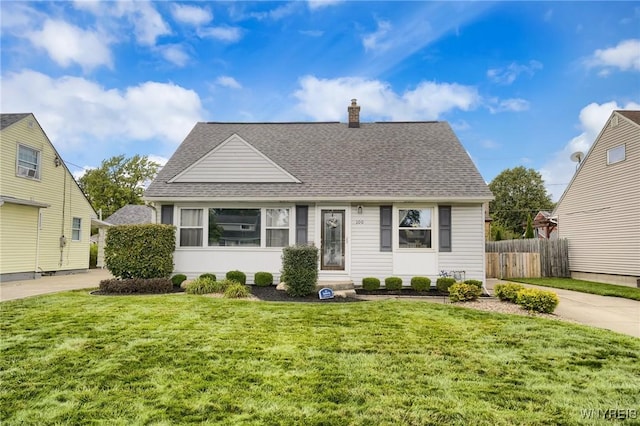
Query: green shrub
[508, 292]
[443, 284]
[300, 269]
[201, 286]
[237, 276]
[263, 279]
[477, 283]
[370, 283]
[208, 275]
[222, 285]
[93, 256]
[178, 279]
[420, 283]
[533, 299]
[461, 292]
[140, 251]
[136, 285]
[393, 283]
[236, 291]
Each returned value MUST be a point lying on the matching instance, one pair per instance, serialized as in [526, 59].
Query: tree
[117, 182]
[529, 232]
[519, 193]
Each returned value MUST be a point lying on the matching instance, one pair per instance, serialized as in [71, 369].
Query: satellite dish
[577, 157]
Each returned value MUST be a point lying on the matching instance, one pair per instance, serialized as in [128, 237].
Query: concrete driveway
[12, 290]
[611, 313]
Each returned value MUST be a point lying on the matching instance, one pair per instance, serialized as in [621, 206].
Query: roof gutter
[360, 199]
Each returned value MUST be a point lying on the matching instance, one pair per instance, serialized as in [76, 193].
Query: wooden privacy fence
[527, 258]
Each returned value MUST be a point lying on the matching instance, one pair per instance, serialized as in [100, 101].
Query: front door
[332, 254]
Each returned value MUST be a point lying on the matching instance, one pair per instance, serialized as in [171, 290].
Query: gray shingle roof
[7, 120]
[631, 115]
[130, 214]
[378, 160]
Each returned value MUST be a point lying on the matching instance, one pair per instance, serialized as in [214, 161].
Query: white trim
[396, 228]
[347, 237]
[37, 172]
[234, 138]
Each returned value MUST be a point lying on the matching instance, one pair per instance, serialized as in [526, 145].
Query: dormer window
[28, 162]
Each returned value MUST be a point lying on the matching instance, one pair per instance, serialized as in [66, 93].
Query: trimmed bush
[178, 279]
[370, 283]
[140, 251]
[237, 276]
[93, 256]
[209, 276]
[393, 283]
[443, 284]
[300, 269]
[136, 285]
[236, 291]
[533, 299]
[477, 283]
[508, 292]
[201, 286]
[263, 279]
[420, 283]
[461, 292]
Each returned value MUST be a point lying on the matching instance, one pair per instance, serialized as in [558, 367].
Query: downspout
[38, 228]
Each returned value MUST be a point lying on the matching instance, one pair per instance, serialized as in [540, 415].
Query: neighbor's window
[414, 228]
[277, 227]
[76, 228]
[28, 162]
[191, 227]
[616, 154]
[234, 227]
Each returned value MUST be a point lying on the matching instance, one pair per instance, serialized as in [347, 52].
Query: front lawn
[72, 358]
[584, 286]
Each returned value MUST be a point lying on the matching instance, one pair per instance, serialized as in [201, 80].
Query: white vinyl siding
[235, 161]
[467, 239]
[599, 213]
[366, 258]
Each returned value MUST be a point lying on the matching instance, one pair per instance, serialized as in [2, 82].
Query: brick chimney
[354, 114]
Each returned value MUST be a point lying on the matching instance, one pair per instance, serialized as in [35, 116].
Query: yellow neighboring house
[45, 219]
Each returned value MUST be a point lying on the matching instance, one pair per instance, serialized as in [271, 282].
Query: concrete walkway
[12, 290]
[611, 313]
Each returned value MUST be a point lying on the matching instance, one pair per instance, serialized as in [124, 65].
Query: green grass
[584, 286]
[72, 358]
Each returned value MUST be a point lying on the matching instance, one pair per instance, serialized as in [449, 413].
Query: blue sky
[521, 83]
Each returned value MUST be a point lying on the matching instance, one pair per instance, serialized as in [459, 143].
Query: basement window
[616, 154]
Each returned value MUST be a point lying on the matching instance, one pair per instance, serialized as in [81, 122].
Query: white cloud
[512, 104]
[379, 40]
[175, 54]
[559, 170]
[278, 13]
[508, 74]
[78, 113]
[319, 4]
[192, 15]
[625, 56]
[229, 82]
[67, 44]
[428, 101]
[228, 34]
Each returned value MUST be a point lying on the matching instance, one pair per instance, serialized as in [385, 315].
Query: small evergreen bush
[461, 292]
[237, 276]
[236, 291]
[508, 292]
[300, 269]
[393, 283]
[443, 284]
[201, 286]
[93, 256]
[420, 283]
[370, 283]
[533, 299]
[477, 283]
[263, 279]
[208, 275]
[136, 285]
[178, 279]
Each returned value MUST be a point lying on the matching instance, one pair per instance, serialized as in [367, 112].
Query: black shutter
[386, 228]
[444, 221]
[166, 214]
[302, 224]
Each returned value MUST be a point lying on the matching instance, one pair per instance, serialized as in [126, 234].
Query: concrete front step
[335, 285]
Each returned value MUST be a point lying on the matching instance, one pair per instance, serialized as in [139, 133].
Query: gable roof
[7, 120]
[377, 161]
[631, 115]
[131, 214]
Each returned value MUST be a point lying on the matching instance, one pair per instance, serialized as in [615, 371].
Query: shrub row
[531, 299]
[136, 285]
[260, 278]
[231, 289]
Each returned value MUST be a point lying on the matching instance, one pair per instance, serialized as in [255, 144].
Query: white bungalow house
[377, 199]
[598, 212]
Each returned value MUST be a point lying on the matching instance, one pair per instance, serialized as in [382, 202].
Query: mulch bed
[404, 292]
[270, 294]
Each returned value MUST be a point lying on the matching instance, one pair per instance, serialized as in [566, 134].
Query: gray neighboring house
[378, 199]
[598, 212]
[130, 214]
